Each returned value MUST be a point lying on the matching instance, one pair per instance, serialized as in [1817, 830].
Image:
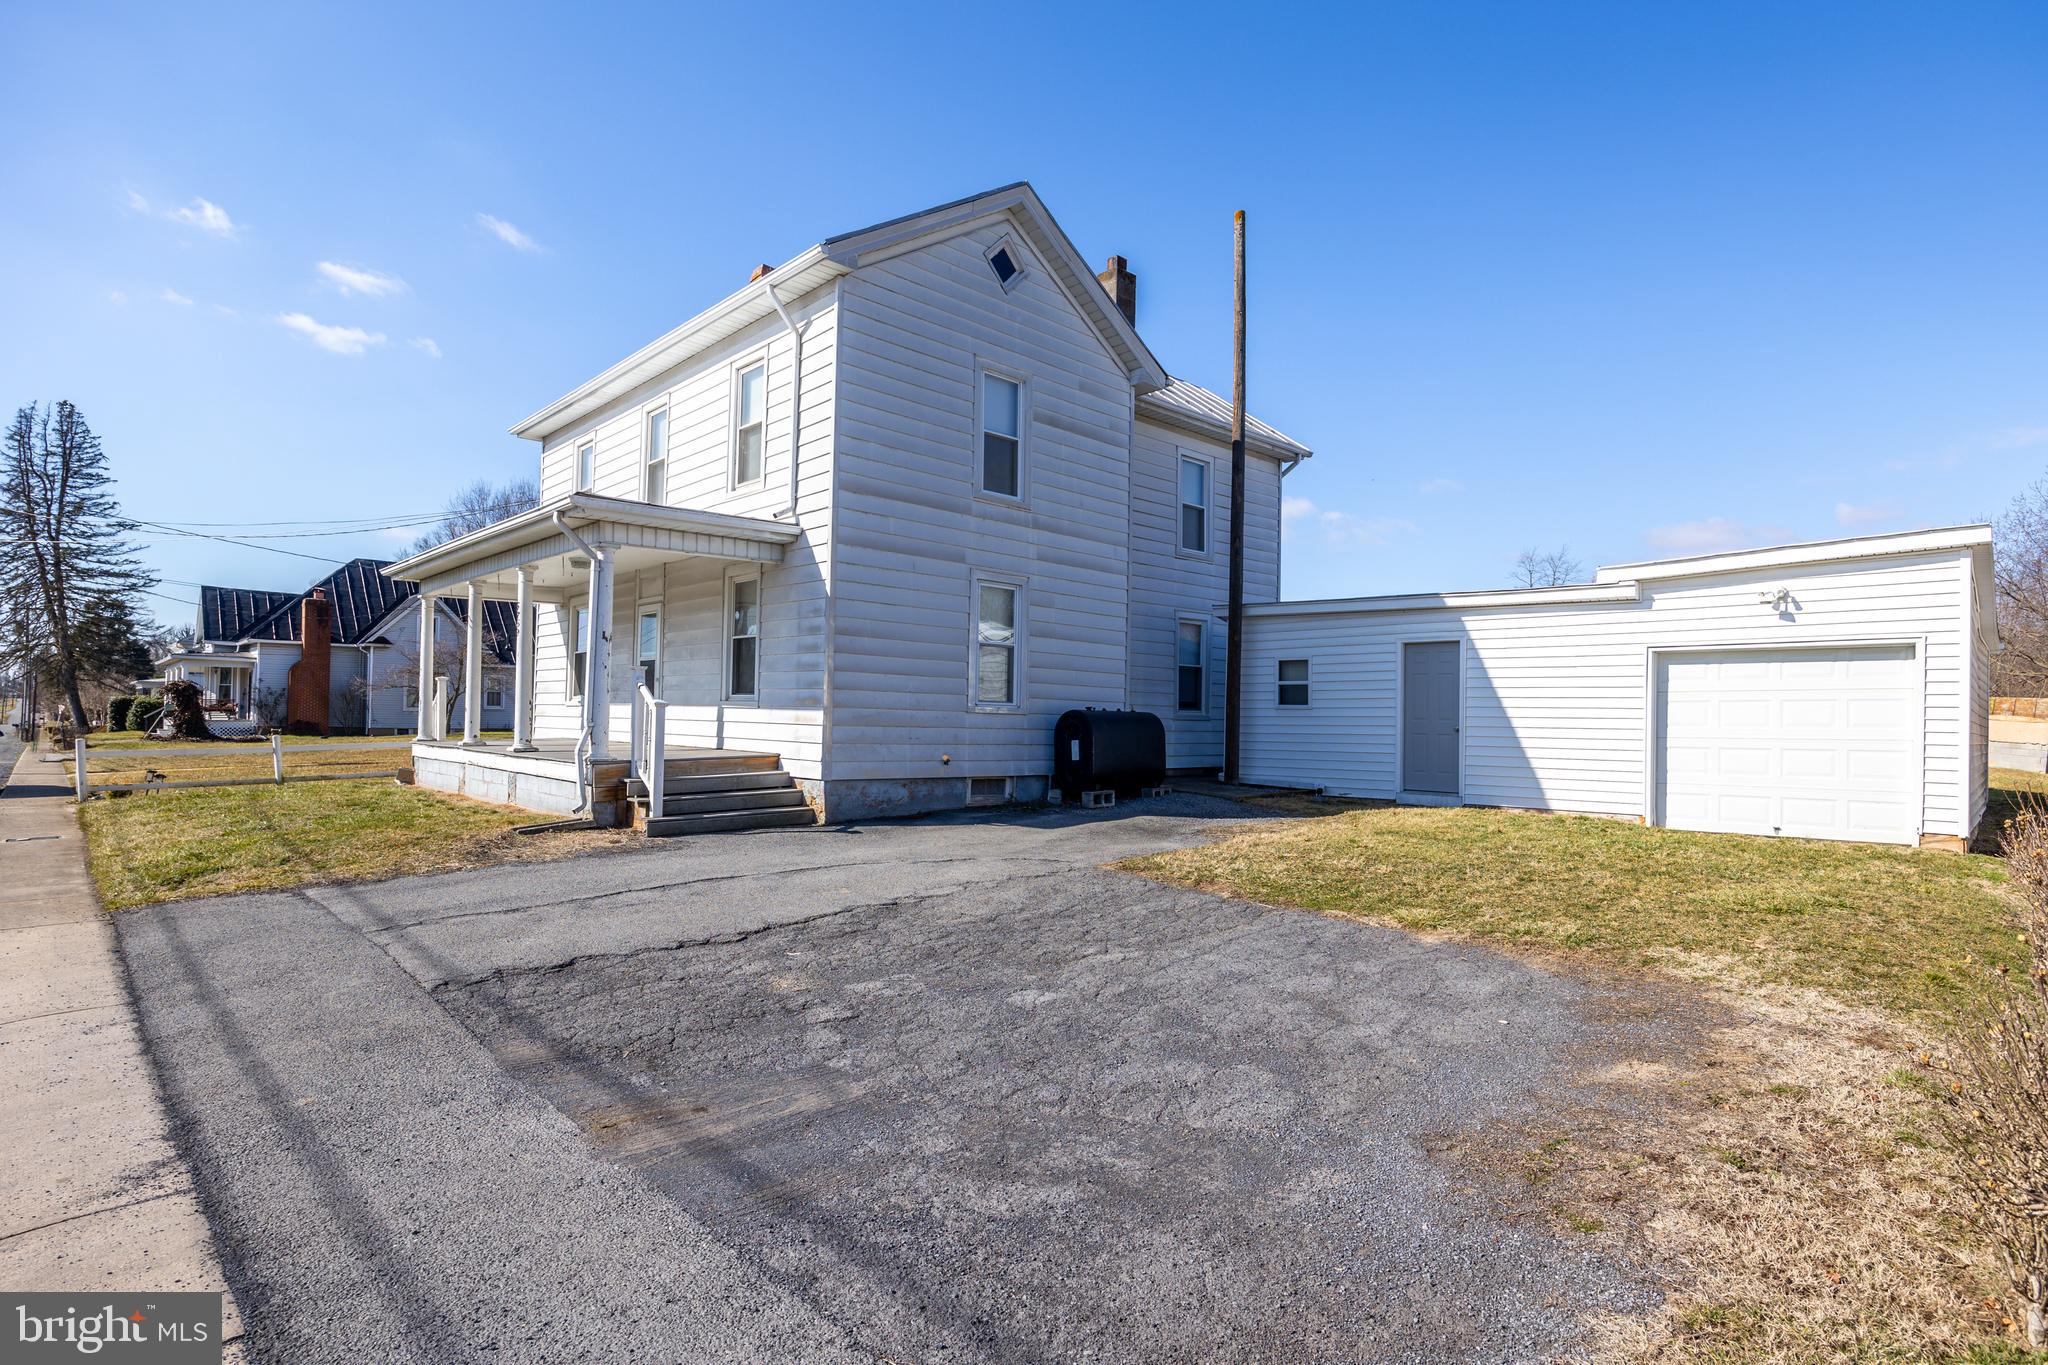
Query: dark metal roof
[227, 613]
[360, 594]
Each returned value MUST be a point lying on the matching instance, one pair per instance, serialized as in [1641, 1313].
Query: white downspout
[587, 737]
[796, 392]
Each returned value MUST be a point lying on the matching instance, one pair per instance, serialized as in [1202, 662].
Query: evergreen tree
[68, 576]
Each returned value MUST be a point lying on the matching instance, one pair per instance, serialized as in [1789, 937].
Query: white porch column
[426, 652]
[522, 667]
[473, 669]
[597, 682]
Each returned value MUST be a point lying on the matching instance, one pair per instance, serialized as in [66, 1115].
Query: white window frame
[1017, 259]
[410, 696]
[585, 481]
[648, 607]
[1307, 684]
[725, 634]
[1018, 644]
[647, 460]
[497, 692]
[983, 372]
[758, 360]
[1180, 546]
[572, 685]
[1200, 623]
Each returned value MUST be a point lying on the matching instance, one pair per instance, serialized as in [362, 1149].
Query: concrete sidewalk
[93, 1194]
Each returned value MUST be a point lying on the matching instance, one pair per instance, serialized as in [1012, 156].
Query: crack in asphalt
[655, 888]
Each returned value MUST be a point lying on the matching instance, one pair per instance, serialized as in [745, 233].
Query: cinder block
[2031, 758]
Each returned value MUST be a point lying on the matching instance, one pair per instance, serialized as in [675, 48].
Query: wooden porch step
[724, 763]
[713, 803]
[668, 826]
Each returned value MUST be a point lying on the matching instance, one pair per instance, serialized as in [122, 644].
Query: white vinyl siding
[1557, 698]
[1167, 584]
[786, 715]
[911, 530]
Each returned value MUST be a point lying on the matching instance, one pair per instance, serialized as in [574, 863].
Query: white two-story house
[852, 538]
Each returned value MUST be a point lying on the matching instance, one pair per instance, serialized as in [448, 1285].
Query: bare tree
[476, 507]
[1536, 568]
[2020, 566]
[449, 660]
[68, 576]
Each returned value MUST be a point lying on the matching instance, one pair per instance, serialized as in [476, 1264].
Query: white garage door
[1817, 743]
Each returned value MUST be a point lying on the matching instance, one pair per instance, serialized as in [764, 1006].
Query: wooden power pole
[1233, 664]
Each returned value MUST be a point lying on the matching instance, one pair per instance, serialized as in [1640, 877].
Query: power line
[248, 544]
[319, 521]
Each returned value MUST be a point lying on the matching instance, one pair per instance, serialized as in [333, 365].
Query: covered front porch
[594, 733]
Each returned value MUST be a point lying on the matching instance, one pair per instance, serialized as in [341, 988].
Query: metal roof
[1190, 405]
[227, 613]
[359, 594]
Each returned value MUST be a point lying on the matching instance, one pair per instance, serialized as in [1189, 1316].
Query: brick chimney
[761, 272]
[306, 682]
[1122, 286]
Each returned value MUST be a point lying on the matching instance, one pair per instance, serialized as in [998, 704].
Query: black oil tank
[1121, 751]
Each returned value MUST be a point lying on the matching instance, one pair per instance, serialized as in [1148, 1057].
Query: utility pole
[1233, 665]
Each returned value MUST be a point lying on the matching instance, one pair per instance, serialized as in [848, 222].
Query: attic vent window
[1004, 264]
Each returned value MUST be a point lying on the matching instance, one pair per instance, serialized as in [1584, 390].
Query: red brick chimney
[305, 683]
[1123, 288]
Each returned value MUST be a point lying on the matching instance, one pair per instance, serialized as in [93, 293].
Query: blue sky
[1639, 279]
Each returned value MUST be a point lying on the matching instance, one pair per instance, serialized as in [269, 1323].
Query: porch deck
[544, 777]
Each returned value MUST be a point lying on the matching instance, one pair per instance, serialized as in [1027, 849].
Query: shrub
[143, 715]
[188, 720]
[1995, 1099]
[117, 712]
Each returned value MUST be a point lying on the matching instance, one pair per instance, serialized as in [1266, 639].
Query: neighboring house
[883, 514]
[856, 535]
[251, 640]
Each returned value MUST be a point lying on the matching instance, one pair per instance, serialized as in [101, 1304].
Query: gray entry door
[1429, 717]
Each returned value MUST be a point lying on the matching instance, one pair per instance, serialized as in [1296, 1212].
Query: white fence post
[79, 779]
[277, 758]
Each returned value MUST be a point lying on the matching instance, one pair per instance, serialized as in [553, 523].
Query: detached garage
[1836, 690]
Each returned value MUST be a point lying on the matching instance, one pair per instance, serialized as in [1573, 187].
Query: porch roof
[213, 659]
[638, 532]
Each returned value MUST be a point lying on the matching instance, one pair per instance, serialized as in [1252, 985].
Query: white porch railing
[650, 746]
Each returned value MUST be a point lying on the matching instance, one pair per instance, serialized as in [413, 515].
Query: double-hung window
[586, 466]
[743, 631]
[648, 637]
[1293, 682]
[1190, 660]
[1194, 505]
[750, 427]
[412, 696]
[1002, 436]
[656, 487]
[582, 647]
[494, 697]
[995, 644]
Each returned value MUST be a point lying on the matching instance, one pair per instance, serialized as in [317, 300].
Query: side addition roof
[1206, 413]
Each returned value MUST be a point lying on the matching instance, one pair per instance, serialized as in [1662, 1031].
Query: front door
[1429, 717]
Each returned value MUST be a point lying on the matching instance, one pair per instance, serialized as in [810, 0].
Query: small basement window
[1294, 682]
[987, 791]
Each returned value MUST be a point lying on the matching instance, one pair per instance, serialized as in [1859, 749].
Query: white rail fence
[86, 788]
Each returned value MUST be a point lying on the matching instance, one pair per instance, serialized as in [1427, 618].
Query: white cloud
[1300, 517]
[173, 296]
[357, 279]
[1711, 534]
[506, 233]
[427, 344]
[225, 311]
[116, 296]
[203, 214]
[1866, 514]
[1431, 487]
[340, 340]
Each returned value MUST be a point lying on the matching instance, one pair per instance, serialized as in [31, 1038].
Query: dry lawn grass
[1779, 1180]
[176, 845]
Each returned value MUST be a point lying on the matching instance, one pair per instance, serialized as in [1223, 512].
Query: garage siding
[1556, 698]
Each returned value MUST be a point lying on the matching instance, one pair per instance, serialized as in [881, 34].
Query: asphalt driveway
[936, 1089]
